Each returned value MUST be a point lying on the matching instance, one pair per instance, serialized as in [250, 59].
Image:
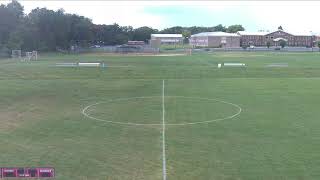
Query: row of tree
[47, 30]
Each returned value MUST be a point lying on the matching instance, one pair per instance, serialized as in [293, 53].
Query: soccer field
[146, 117]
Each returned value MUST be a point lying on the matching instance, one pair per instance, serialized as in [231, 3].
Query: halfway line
[164, 169]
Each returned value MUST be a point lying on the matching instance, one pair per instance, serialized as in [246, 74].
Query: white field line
[164, 169]
[119, 66]
[208, 78]
[115, 122]
[86, 114]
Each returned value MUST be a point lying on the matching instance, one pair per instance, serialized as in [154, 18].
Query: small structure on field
[231, 65]
[89, 64]
[81, 64]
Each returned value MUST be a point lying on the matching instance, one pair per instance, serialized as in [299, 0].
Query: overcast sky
[294, 16]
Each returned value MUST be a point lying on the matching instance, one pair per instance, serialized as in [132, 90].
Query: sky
[293, 16]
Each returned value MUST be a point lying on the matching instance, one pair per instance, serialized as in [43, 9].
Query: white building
[215, 39]
[167, 38]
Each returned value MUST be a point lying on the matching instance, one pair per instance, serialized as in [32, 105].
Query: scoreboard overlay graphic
[27, 172]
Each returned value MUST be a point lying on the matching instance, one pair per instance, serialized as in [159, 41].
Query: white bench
[86, 64]
[233, 65]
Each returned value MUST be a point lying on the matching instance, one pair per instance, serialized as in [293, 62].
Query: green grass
[166, 47]
[276, 136]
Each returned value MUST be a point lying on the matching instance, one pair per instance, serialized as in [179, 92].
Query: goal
[16, 54]
[188, 51]
[31, 56]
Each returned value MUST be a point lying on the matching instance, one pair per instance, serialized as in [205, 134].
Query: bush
[277, 48]
[283, 44]
[168, 48]
[244, 46]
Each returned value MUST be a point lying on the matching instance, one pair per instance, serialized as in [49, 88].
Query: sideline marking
[84, 111]
[164, 169]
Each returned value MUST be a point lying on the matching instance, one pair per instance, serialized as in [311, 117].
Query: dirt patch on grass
[20, 113]
[10, 119]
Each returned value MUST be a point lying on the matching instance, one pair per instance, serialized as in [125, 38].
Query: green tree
[55, 29]
[143, 33]
[197, 29]
[11, 16]
[283, 43]
[128, 31]
[15, 40]
[48, 30]
[15, 8]
[219, 28]
[186, 35]
[235, 28]
[113, 34]
[173, 30]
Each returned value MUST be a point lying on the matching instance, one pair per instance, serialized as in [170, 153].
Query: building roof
[258, 33]
[203, 34]
[262, 33]
[167, 35]
[310, 33]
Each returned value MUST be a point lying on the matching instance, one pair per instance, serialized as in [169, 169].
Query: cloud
[294, 16]
[103, 12]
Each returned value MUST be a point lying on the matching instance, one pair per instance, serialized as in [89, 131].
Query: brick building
[317, 37]
[262, 38]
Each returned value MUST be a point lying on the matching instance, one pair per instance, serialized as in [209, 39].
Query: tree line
[47, 30]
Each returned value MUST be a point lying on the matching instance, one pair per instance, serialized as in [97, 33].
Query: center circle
[179, 110]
